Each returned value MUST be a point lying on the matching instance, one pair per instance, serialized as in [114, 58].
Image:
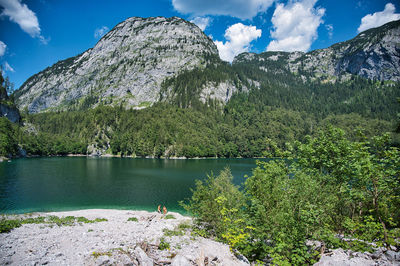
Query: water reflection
[43, 184]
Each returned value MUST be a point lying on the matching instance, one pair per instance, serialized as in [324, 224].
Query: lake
[70, 183]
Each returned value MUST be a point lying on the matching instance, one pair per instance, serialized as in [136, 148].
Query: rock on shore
[342, 257]
[116, 241]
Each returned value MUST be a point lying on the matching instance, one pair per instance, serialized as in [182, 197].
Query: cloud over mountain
[379, 18]
[295, 26]
[238, 38]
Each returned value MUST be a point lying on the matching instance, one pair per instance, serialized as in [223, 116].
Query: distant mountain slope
[373, 54]
[125, 67]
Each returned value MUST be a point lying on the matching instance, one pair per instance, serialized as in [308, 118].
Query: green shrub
[163, 244]
[7, 225]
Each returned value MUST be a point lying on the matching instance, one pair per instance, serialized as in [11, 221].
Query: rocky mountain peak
[373, 54]
[126, 67]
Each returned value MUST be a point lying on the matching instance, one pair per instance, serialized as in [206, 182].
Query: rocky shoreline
[124, 237]
[147, 238]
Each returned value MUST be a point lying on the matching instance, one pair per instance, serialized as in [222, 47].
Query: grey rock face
[126, 67]
[11, 113]
[350, 258]
[373, 54]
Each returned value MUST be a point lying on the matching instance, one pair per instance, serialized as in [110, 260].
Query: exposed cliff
[127, 66]
[373, 54]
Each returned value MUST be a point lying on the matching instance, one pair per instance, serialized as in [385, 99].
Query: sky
[35, 34]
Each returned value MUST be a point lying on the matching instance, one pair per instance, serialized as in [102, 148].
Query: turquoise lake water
[71, 183]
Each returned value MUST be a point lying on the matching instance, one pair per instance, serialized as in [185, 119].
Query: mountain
[145, 60]
[372, 54]
[126, 67]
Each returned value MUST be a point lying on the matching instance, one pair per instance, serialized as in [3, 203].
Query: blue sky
[35, 34]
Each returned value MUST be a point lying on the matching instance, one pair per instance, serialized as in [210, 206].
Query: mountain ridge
[372, 54]
[139, 61]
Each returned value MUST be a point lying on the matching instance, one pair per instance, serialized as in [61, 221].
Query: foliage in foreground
[325, 187]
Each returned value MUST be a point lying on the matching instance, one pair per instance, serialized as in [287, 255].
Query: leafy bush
[7, 225]
[205, 206]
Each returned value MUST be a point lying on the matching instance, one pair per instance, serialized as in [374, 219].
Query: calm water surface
[68, 183]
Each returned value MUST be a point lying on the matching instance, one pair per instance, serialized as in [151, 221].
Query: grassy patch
[6, 225]
[168, 232]
[133, 219]
[98, 220]
[169, 216]
[184, 226]
[71, 220]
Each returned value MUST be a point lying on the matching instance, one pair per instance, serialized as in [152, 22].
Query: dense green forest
[325, 192]
[282, 107]
[165, 130]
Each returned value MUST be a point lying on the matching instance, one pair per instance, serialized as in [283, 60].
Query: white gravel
[114, 242]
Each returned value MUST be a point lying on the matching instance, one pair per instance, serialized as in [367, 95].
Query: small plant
[90, 230]
[184, 226]
[168, 232]
[169, 216]
[172, 255]
[37, 220]
[97, 220]
[96, 254]
[133, 219]
[163, 244]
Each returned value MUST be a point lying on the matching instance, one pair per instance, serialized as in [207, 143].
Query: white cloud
[379, 18]
[22, 15]
[7, 67]
[295, 26]
[201, 22]
[100, 32]
[3, 47]
[243, 9]
[238, 38]
[329, 28]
